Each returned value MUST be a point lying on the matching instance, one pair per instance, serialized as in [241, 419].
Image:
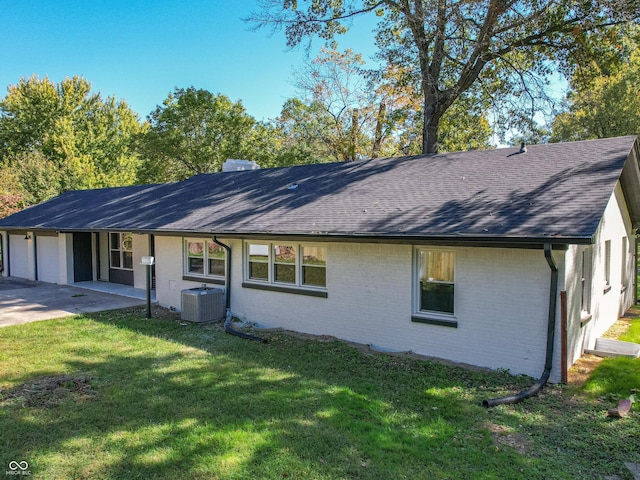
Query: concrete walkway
[24, 301]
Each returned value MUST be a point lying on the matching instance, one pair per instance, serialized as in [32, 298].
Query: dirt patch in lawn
[582, 369]
[506, 437]
[49, 392]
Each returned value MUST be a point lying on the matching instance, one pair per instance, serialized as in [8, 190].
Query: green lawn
[618, 377]
[114, 395]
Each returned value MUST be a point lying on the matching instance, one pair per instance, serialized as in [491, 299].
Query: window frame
[586, 276]
[206, 267]
[270, 282]
[623, 264]
[121, 251]
[607, 265]
[434, 317]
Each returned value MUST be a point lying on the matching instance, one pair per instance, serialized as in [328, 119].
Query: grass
[618, 377]
[114, 395]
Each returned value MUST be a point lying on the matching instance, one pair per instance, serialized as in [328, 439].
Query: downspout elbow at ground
[551, 328]
[229, 316]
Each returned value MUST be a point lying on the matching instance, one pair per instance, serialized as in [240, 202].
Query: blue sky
[139, 51]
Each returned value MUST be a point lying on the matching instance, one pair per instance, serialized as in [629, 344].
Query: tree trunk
[430, 128]
[377, 139]
[353, 143]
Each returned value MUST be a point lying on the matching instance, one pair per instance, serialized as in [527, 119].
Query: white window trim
[607, 265]
[120, 251]
[185, 259]
[270, 281]
[433, 314]
[586, 271]
[623, 264]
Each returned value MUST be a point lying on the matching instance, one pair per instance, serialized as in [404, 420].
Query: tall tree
[347, 111]
[338, 109]
[58, 137]
[195, 131]
[11, 198]
[604, 101]
[307, 134]
[456, 45]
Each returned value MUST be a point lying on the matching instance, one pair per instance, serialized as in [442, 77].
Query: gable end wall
[607, 304]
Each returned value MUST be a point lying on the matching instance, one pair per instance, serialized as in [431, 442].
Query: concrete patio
[24, 301]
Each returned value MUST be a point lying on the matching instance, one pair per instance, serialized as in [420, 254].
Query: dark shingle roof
[554, 191]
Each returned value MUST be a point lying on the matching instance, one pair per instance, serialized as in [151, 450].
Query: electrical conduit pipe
[551, 329]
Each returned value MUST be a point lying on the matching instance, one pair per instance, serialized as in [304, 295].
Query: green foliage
[58, 137]
[11, 198]
[615, 378]
[463, 127]
[35, 177]
[299, 144]
[618, 377]
[633, 334]
[501, 51]
[336, 113]
[606, 99]
[348, 112]
[195, 131]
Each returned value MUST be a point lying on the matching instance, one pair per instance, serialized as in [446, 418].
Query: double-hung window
[121, 250]
[623, 265]
[435, 283]
[585, 284]
[285, 264]
[258, 255]
[607, 265]
[204, 258]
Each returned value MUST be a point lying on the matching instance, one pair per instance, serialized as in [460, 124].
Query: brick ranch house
[449, 255]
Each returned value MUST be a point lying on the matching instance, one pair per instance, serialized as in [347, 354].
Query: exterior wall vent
[202, 304]
[232, 165]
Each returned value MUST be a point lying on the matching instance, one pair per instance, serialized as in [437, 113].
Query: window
[314, 266]
[259, 262]
[436, 281]
[216, 256]
[286, 264]
[607, 265]
[623, 266]
[195, 258]
[585, 281]
[121, 250]
[204, 258]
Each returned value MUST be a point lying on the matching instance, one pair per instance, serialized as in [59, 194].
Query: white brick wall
[169, 266]
[608, 306]
[502, 299]
[573, 286]
[501, 304]
[140, 249]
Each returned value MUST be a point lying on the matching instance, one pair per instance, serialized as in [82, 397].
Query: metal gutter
[551, 329]
[449, 240]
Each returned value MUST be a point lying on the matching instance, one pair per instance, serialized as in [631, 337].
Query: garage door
[19, 256]
[48, 259]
